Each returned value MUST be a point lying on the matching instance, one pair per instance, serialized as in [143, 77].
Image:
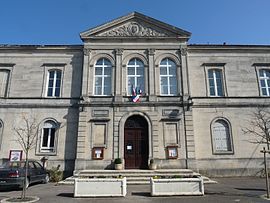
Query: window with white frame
[135, 75]
[215, 78]
[103, 74]
[221, 137]
[54, 83]
[48, 137]
[264, 77]
[168, 81]
[4, 77]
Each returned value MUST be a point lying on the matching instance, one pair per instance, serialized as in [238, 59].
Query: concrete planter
[177, 186]
[100, 187]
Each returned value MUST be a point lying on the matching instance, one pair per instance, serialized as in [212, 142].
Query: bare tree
[259, 126]
[26, 137]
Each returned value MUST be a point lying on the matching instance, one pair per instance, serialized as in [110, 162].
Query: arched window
[48, 136]
[221, 136]
[135, 75]
[168, 81]
[264, 75]
[4, 77]
[103, 74]
[54, 83]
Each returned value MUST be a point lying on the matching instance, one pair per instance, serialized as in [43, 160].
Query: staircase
[133, 176]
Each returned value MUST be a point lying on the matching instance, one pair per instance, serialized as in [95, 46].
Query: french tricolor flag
[136, 94]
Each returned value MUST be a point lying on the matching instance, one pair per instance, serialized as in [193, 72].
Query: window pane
[98, 81]
[107, 70]
[163, 70]
[220, 91]
[57, 92]
[212, 91]
[50, 92]
[139, 63]
[171, 63]
[262, 83]
[4, 77]
[45, 137]
[261, 73]
[58, 75]
[211, 82]
[51, 74]
[264, 91]
[99, 62]
[131, 71]
[50, 83]
[131, 81]
[173, 90]
[131, 62]
[173, 81]
[163, 81]
[140, 71]
[98, 71]
[163, 62]
[98, 90]
[140, 82]
[107, 62]
[210, 74]
[58, 82]
[52, 137]
[107, 90]
[172, 70]
[218, 74]
[164, 89]
[267, 73]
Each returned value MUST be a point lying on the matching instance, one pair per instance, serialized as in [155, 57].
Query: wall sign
[98, 153]
[15, 155]
[172, 152]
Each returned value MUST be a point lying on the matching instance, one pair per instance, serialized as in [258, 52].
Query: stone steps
[133, 176]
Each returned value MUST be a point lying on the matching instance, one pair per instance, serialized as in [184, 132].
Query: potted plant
[118, 164]
[152, 165]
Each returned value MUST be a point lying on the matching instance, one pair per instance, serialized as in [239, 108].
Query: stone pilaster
[152, 76]
[118, 74]
[85, 78]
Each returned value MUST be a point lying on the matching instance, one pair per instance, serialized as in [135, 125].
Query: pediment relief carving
[133, 29]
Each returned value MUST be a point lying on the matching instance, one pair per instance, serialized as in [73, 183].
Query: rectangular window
[215, 78]
[54, 83]
[4, 77]
[264, 77]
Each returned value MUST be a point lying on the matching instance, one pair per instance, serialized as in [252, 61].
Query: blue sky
[61, 21]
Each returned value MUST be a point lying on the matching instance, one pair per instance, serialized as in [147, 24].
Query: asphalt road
[246, 190]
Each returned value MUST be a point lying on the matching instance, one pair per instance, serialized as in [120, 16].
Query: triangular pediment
[135, 25]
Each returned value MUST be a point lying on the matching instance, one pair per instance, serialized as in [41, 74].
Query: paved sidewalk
[246, 190]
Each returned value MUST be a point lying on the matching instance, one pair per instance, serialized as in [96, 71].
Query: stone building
[135, 89]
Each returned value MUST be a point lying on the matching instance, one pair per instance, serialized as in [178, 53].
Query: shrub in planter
[118, 164]
[56, 175]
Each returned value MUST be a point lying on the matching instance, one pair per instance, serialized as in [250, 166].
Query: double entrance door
[136, 144]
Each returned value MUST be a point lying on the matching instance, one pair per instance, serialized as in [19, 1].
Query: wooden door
[136, 147]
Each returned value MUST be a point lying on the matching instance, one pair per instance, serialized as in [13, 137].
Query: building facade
[135, 89]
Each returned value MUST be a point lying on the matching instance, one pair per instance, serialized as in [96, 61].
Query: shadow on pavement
[254, 189]
[66, 195]
[144, 194]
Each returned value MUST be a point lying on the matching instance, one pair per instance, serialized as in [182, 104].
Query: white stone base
[177, 186]
[100, 187]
